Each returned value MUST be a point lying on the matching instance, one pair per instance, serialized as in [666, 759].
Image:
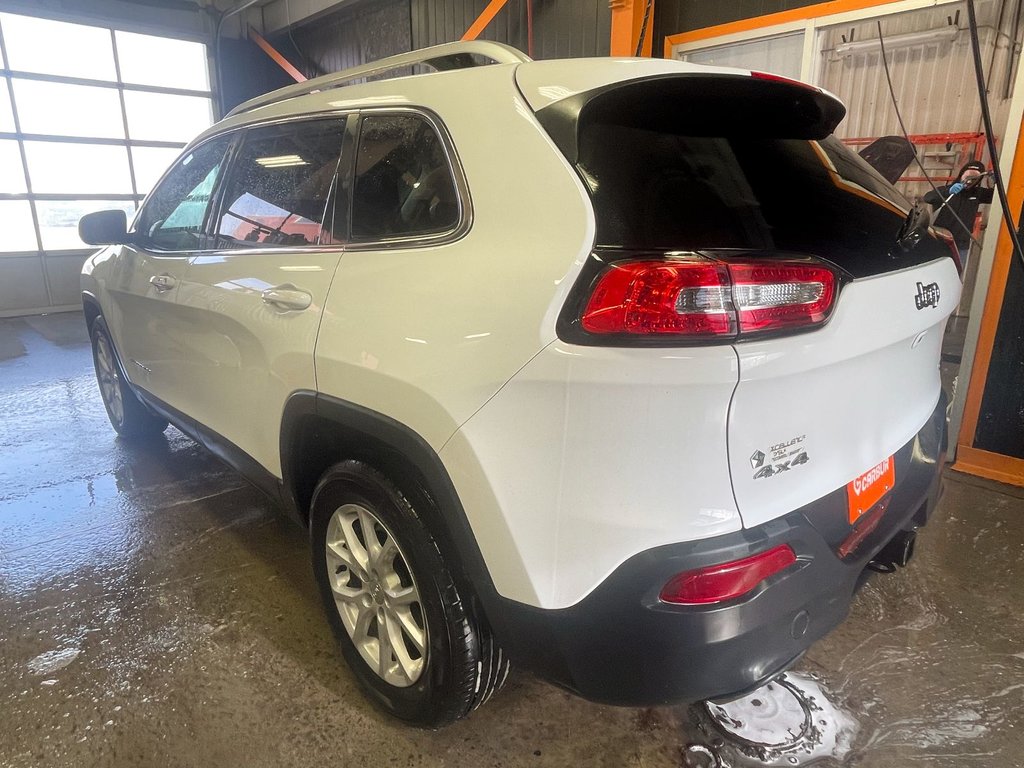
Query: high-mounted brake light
[726, 581]
[705, 299]
[780, 79]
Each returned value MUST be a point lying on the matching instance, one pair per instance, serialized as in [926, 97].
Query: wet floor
[155, 610]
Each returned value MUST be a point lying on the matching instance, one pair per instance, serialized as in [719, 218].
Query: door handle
[287, 297]
[162, 282]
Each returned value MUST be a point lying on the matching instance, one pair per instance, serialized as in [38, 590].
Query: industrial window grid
[135, 196]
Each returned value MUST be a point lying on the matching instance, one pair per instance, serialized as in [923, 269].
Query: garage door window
[277, 193]
[90, 117]
[404, 185]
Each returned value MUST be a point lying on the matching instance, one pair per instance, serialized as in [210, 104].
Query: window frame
[216, 210]
[465, 220]
[204, 231]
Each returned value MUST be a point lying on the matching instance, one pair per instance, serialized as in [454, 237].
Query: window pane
[149, 60]
[162, 117]
[172, 219]
[58, 220]
[12, 174]
[16, 230]
[68, 110]
[150, 164]
[6, 115]
[84, 169]
[403, 183]
[279, 189]
[58, 48]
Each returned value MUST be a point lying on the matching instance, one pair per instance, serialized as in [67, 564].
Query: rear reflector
[700, 298]
[718, 583]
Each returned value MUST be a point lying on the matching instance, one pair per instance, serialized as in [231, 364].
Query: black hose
[906, 135]
[986, 116]
[643, 28]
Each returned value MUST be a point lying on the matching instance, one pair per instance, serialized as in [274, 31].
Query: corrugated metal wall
[360, 33]
[351, 36]
[934, 80]
[674, 16]
[561, 28]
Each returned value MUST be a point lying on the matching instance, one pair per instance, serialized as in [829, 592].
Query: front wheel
[404, 628]
[128, 416]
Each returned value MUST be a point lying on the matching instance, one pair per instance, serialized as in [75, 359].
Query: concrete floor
[155, 610]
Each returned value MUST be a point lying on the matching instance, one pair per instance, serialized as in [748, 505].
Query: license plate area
[866, 490]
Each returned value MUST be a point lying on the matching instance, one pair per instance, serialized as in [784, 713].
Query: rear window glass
[659, 190]
[404, 185]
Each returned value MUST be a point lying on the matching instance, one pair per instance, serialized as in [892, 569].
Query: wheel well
[313, 443]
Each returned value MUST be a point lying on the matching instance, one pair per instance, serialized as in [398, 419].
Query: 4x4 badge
[927, 295]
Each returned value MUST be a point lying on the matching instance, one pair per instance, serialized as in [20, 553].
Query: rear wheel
[127, 414]
[403, 625]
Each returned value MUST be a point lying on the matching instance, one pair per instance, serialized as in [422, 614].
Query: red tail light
[701, 298]
[718, 583]
[947, 236]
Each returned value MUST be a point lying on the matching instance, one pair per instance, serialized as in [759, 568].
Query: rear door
[143, 288]
[252, 305]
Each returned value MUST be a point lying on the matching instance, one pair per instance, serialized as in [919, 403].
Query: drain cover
[775, 716]
[790, 721]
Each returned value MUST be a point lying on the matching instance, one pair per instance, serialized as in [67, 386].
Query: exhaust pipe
[896, 554]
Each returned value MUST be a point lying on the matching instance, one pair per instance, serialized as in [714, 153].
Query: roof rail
[441, 57]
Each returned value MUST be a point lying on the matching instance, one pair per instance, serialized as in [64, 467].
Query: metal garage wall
[934, 79]
[351, 36]
[562, 29]
[367, 31]
[674, 16]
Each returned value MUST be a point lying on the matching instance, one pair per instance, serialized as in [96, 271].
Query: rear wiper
[914, 226]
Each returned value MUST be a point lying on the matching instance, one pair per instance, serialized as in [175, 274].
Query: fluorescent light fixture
[941, 35]
[281, 161]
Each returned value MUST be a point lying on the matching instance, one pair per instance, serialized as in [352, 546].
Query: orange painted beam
[627, 21]
[760, 22]
[991, 466]
[279, 59]
[1001, 265]
[485, 18]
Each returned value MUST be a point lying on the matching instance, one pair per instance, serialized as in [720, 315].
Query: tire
[128, 416]
[440, 660]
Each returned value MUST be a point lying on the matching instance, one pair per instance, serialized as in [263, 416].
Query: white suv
[623, 370]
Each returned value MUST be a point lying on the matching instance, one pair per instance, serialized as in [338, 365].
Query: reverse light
[705, 299]
[726, 581]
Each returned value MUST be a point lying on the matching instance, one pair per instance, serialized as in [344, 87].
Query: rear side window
[172, 218]
[403, 183]
[279, 186]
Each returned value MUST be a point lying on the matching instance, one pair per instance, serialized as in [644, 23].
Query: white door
[252, 306]
[146, 277]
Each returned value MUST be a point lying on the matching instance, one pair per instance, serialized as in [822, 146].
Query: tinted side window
[278, 188]
[403, 183]
[172, 218]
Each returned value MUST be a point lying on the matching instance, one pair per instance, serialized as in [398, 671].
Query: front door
[253, 304]
[147, 276]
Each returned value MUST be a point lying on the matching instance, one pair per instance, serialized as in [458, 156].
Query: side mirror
[104, 228]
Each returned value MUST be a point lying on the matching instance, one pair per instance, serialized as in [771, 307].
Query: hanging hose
[906, 135]
[643, 28]
[972, 26]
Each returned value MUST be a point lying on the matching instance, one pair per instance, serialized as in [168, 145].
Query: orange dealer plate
[865, 491]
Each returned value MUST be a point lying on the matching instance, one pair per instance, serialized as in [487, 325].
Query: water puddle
[791, 721]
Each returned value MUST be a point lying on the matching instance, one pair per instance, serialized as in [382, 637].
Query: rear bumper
[621, 645]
